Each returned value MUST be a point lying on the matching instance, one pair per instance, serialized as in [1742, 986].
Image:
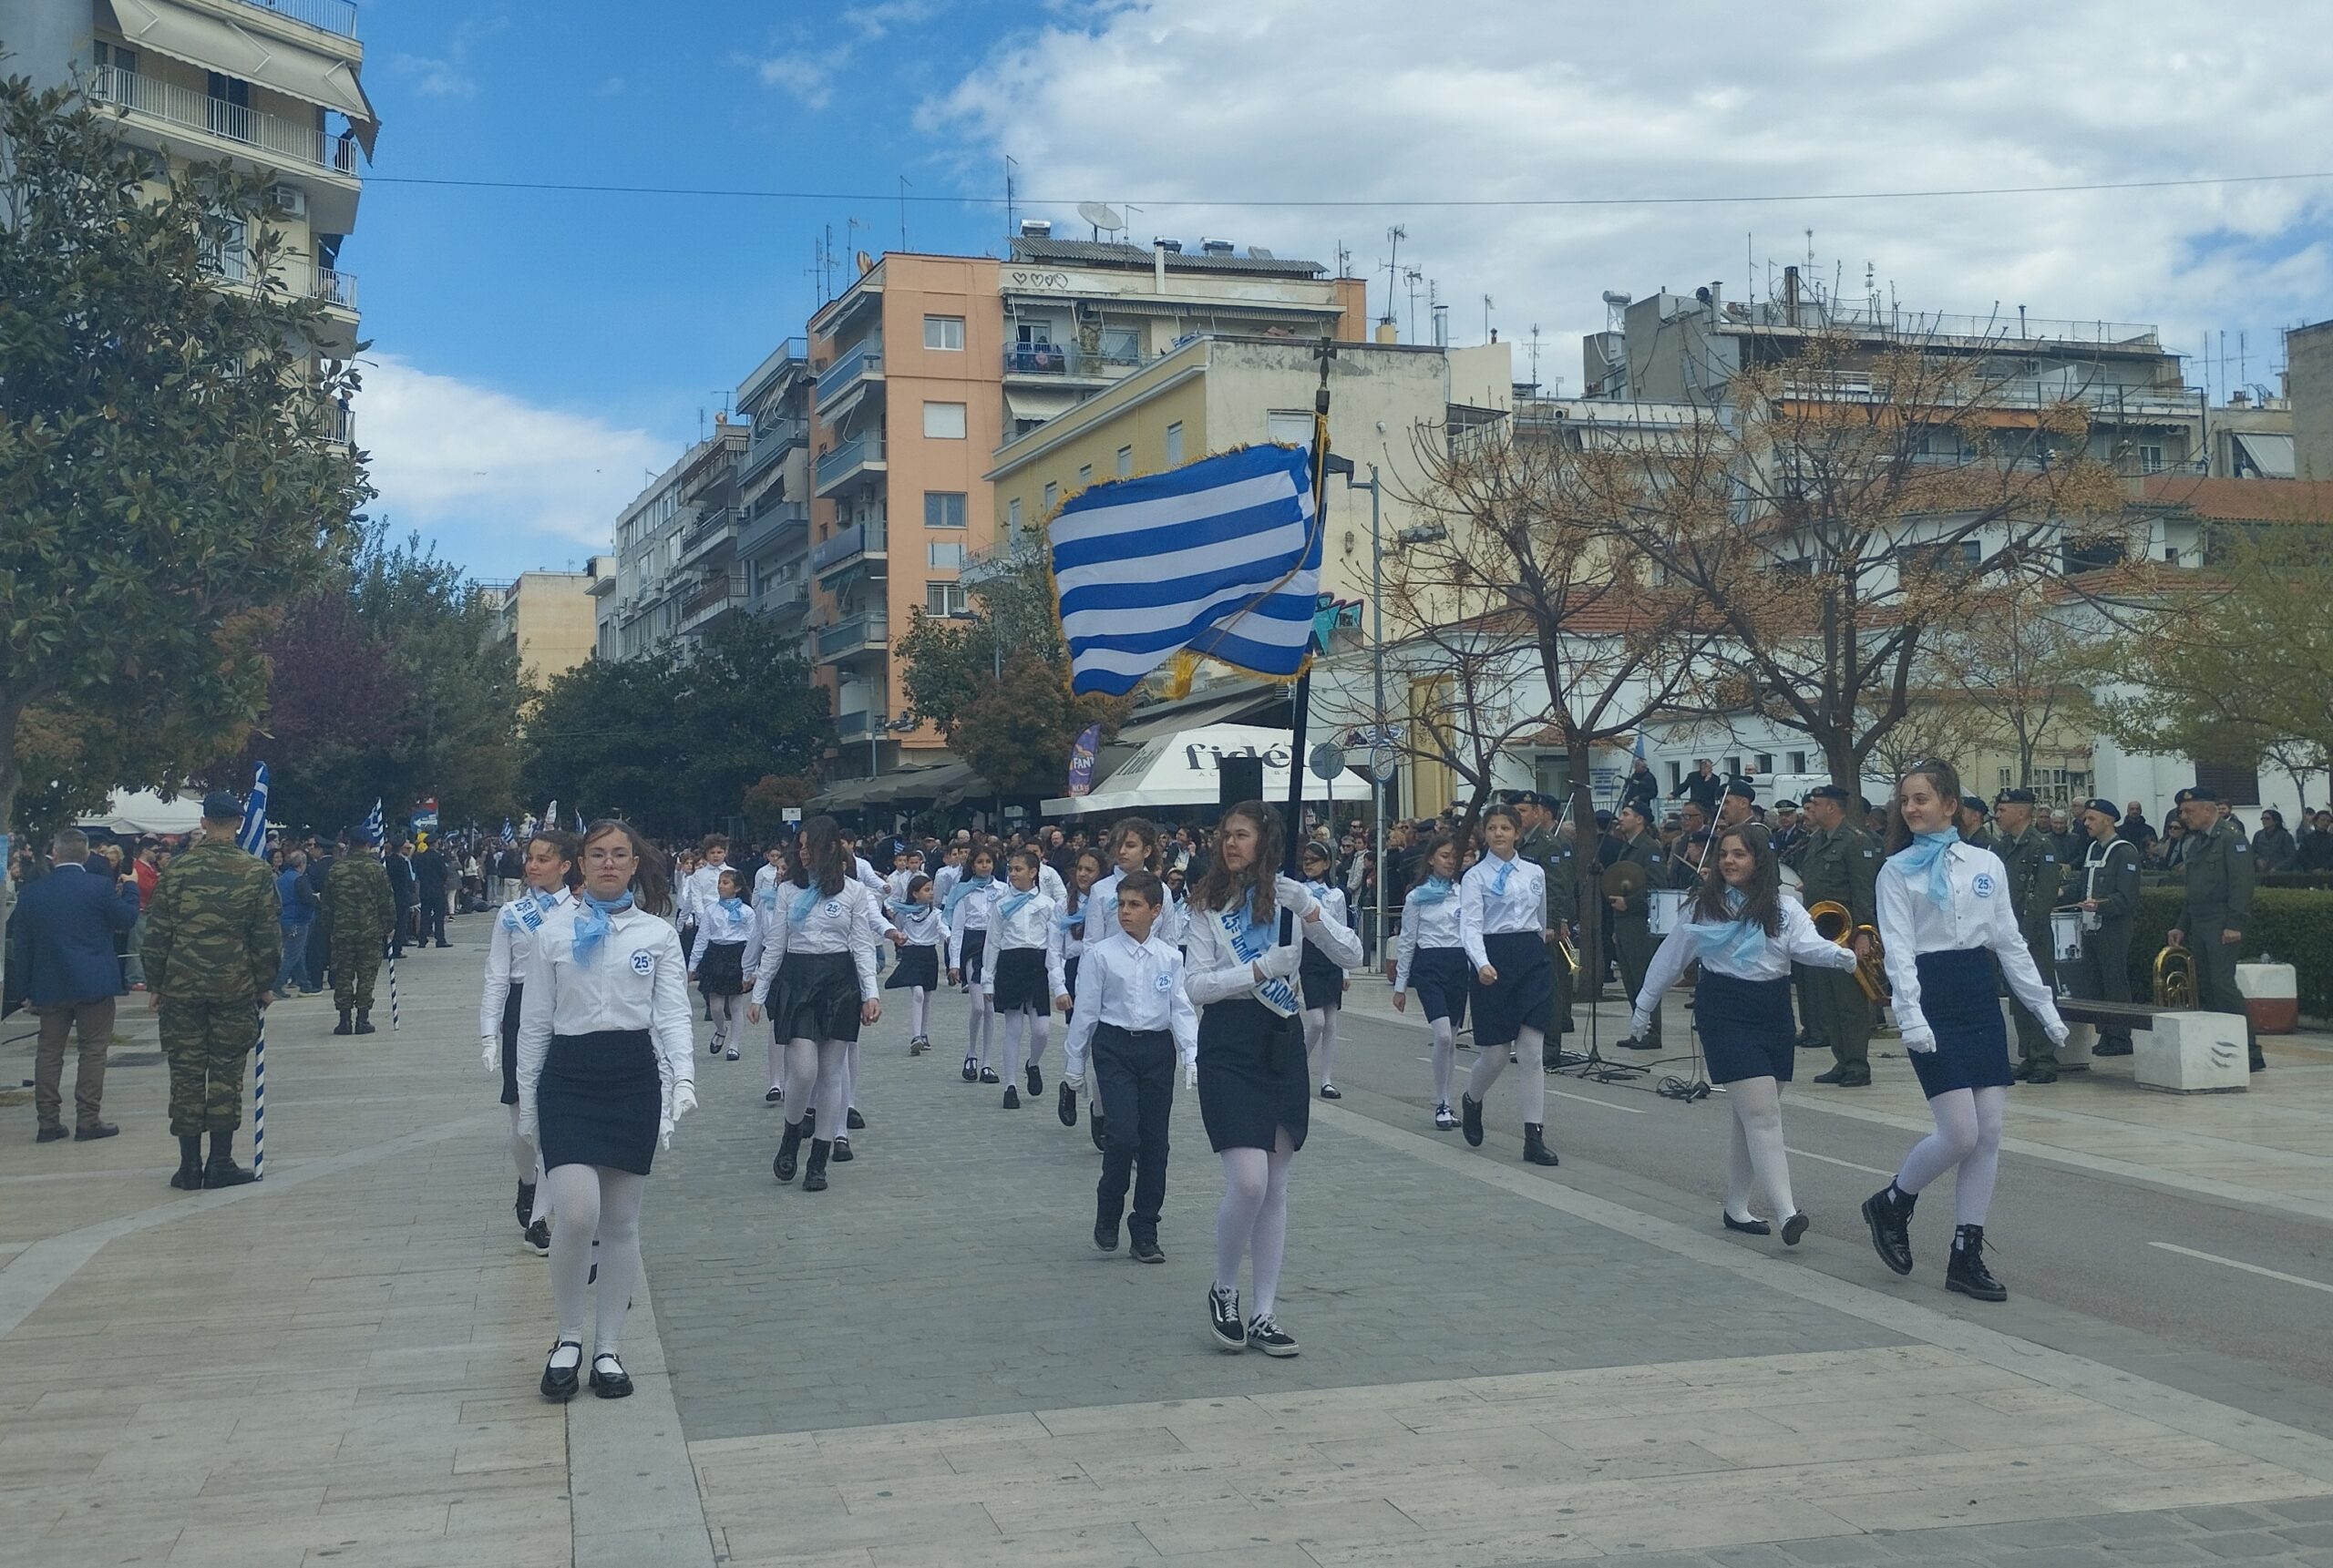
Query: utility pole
[905, 186]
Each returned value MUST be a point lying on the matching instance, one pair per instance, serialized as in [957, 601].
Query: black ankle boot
[1470, 1120]
[814, 1179]
[188, 1176]
[346, 1024]
[1888, 1213]
[788, 1150]
[1966, 1272]
[1535, 1145]
[364, 1021]
[223, 1170]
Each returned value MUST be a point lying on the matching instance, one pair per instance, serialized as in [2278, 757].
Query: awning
[1248, 706]
[218, 44]
[1181, 769]
[2270, 454]
[1039, 402]
[143, 811]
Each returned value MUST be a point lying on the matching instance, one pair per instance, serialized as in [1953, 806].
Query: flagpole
[1300, 699]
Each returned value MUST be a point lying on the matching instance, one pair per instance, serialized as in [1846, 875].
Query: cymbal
[1623, 878]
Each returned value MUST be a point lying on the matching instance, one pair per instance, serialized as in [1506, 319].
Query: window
[944, 332]
[2150, 458]
[943, 509]
[945, 599]
[1174, 445]
[1798, 761]
[1013, 515]
[1085, 475]
[2090, 555]
[224, 255]
[1763, 762]
[943, 421]
[1734, 767]
[1290, 428]
[114, 58]
[2238, 782]
[1028, 334]
[1052, 495]
[944, 555]
[1961, 555]
[1126, 462]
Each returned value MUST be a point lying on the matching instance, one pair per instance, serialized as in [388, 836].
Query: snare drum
[1665, 908]
[2065, 935]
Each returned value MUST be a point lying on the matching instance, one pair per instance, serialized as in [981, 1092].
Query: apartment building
[773, 510]
[547, 618]
[669, 584]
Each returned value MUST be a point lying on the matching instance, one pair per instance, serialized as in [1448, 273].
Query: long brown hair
[1943, 778]
[652, 890]
[568, 847]
[1762, 900]
[1140, 827]
[1223, 889]
[818, 857]
[1100, 869]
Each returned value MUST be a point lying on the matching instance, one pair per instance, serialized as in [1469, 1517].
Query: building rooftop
[2242, 500]
[1139, 258]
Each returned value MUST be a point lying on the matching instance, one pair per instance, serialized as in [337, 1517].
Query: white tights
[594, 1201]
[1531, 1088]
[1321, 1042]
[1445, 1057]
[850, 1081]
[1253, 1220]
[919, 1012]
[1039, 1030]
[523, 1150]
[1967, 1138]
[1758, 1158]
[814, 1069]
[1017, 1026]
[724, 1019]
[981, 1025]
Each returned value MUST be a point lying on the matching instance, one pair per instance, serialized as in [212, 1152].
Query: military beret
[2102, 804]
[2203, 793]
[220, 804]
[2014, 797]
[1830, 791]
[1744, 788]
[1975, 804]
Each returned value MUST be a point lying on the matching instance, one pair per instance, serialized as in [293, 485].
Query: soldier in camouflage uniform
[2029, 853]
[357, 901]
[213, 944]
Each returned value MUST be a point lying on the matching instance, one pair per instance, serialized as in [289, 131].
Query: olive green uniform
[1545, 849]
[2031, 858]
[357, 902]
[1632, 937]
[213, 943]
[2219, 876]
[2109, 873]
[1841, 866]
[1810, 1026]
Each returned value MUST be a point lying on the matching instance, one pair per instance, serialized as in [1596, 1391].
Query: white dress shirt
[921, 925]
[1049, 883]
[1769, 958]
[716, 924]
[1029, 925]
[1102, 923]
[944, 880]
[766, 889]
[1067, 943]
[636, 980]
[702, 890]
[844, 922]
[506, 950]
[1135, 986]
[1216, 973]
[1483, 912]
[970, 914]
[1977, 915]
[1425, 924]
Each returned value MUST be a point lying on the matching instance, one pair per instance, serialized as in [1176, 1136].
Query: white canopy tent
[1180, 769]
[143, 811]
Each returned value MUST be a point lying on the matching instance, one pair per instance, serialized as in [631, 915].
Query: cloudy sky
[538, 353]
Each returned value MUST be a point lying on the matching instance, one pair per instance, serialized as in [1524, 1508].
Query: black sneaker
[1224, 1325]
[1145, 1249]
[988, 1075]
[1106, 1232]
[1265, 1333]
[971, 1071]
[538, 1238]
[526, 1204]
[1065, 1106]
[852, 1120]
[1966, 1272]
[1011, 1098]
[1471, 1120]
[1443, 1119]
[1036, 1079]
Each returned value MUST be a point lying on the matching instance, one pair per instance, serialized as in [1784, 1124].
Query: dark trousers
[1632, 936]
[1134, 1076]
[433, 918]
[2032, 1040]
[2215, 988]
[2103, 973]
[93, 1020]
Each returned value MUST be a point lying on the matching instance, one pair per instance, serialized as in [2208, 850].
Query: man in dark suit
[430, 888]
[72, 915]
[403, 894]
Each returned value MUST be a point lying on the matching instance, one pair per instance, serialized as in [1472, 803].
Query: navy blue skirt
[1746, 1027]
[1964, 1012]
[1322, 979]
[1440, 976]
[814, 996]
[919, 965]
[510, 1045]
[1525, 994]
[600, 1100]
[974, 956]
[1252, 1076]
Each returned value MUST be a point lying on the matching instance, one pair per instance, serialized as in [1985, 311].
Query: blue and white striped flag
[374, 833]
[251, 837]
[1220, 558]
[506, 830]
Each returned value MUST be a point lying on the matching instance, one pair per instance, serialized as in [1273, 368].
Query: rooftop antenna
[1535, 354]
[1345, 261]
[1413, 276]
[1394, 236]
[1750, 259]
[1486, 318]
[1010, 168]
[1103, 218]
[905, 186]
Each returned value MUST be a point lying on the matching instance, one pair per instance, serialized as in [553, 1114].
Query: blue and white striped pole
[251, 837]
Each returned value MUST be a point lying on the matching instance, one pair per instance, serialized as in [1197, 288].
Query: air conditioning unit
[288, 199]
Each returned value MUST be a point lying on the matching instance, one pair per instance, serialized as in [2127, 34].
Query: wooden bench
[2179, 1051]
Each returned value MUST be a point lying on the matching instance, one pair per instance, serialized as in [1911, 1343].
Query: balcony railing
[2003, 329]
[839, 463]
[772, 439]
[175, 105]
[847, 544]
[770, 527]
[1113, 359]
[781, 602]
[861, 631]
[792, 353]
[328, 16]
[293, 276]
[838, 378]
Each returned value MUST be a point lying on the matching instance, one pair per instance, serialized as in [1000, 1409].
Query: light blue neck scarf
[1738, 942]
[1932, 853]
[966, 887]
[732, 905]
[1010, 905]
[1498, 877]
[591, 923]
[1434, 890]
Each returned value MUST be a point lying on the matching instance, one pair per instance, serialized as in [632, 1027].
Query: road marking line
[1591, 1099]
[2246, 1268]
[1850, 1164]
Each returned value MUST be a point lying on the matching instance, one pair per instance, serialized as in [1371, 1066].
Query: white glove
[530, 1127]
[1190, 1075]
[1640, 1024]
[683, 1101]
[491, 1053]
[1920, 1040]
[1281, 962]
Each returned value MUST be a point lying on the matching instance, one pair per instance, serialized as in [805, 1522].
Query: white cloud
[1191, 101]
[447, 75]
[809, 78]
[471, 464]
[872, 21]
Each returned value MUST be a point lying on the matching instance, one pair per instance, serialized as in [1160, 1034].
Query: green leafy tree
[168, 477]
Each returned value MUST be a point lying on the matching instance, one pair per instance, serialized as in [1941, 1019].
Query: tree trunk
[1588, 933]
[1839, 756]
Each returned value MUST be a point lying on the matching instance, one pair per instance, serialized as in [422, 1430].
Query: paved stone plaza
[929, 1364]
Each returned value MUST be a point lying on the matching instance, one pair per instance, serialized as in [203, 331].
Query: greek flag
[506, 830]
[251, 837]
[1220, 558]
[373, 833]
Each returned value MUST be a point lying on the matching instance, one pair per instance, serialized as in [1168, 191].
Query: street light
[1344, 466]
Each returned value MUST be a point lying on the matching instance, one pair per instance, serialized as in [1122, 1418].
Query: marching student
[1432, 960]
[699, 891]
[1061, 956]
[551, 876]
[1246, 936]
[1133, 1011]
[1132, 844]
[1322, 979]
[777, 860]
[1746, 935]
[821, 956]
[1943, 903]
[606, 1066]
[917, 915]
[1503, 923]
[1020, 923]
[967, 908]
[728, 949]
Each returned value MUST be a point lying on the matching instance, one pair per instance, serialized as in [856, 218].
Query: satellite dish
[866, 263]
[1103, 217]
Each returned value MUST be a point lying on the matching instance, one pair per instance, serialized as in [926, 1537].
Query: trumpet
[1566, 956]
[1834, 922]
[2174, 980]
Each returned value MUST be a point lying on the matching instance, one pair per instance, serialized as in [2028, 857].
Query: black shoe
[1106, 1232]
[1795, 1227]
[187, 1177]
[441, 944]
[525, 1206]
[853, 1120]
[612, 1385]
[538, 1238]
[809, 1120]
[1094, 1122]
[2021, 1071]
[1036, 1079]
[1846, 1075]
[2042, 1075]
[1535, 1145]
[365, 1021]
[222, 1171]
[988, 1075]
[346, 1025]
[1145, 1250]
[2111, 1048]
[814, 1179]
[773, 1097]
[788, 1148]
[1966, 1272]
[1065, 1106]
[1224, 1324]
[48, 1134]
[1890, 1219]
[971, 1071]
[1750, 1226]
[1265, 1333]
[2259, 1064]
[1633, 1043]
[1011, 1098]
[561, 1382]
[1470, 1119]
[1330, 1092]
[93, 1130]
[843, 1156]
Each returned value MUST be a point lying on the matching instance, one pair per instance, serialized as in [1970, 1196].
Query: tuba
[2174, 980]
[1834, 923]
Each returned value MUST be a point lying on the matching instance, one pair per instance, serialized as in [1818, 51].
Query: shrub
[2293, 924]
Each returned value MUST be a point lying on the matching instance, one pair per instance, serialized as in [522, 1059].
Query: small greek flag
[506, 830]
[1220, 558]
[373, 832]
[251, 837]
